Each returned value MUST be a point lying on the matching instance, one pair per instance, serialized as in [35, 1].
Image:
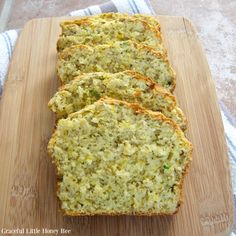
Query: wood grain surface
[27, 178]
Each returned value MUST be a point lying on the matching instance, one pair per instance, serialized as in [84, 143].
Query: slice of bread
[92, 31]
[114, 157]
[113, 58]
[128, 85]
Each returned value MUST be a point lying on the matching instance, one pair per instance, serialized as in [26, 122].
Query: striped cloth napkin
[8, 40]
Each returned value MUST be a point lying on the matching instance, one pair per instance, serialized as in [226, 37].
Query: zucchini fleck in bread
[114, 157]
[92, 31]
[128, 85]
[116, 57]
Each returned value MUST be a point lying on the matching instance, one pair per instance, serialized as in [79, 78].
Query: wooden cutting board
[27, 178]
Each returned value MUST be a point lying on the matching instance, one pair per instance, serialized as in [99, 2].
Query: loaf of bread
[113, 157]
[92, 31]
[129, 86]
[118, 146]
[116, 57]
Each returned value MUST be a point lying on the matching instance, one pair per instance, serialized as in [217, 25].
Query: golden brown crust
[79, 22]
[185, 172]
[50, 155]
[150, 20]
[119, 213]
[140, 76]
[185, 121]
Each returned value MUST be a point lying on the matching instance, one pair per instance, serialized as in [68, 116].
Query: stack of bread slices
[119, 145]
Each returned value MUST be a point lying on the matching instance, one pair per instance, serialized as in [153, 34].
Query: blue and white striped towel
[8, 40]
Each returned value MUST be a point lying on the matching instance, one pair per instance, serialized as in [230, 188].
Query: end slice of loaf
[92, 31]
[115, 158]
[116, 57]
[129, 86]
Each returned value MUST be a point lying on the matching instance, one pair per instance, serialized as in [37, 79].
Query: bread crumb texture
[116, 57]
[91, 31]
[128, 85]
[113, 157]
